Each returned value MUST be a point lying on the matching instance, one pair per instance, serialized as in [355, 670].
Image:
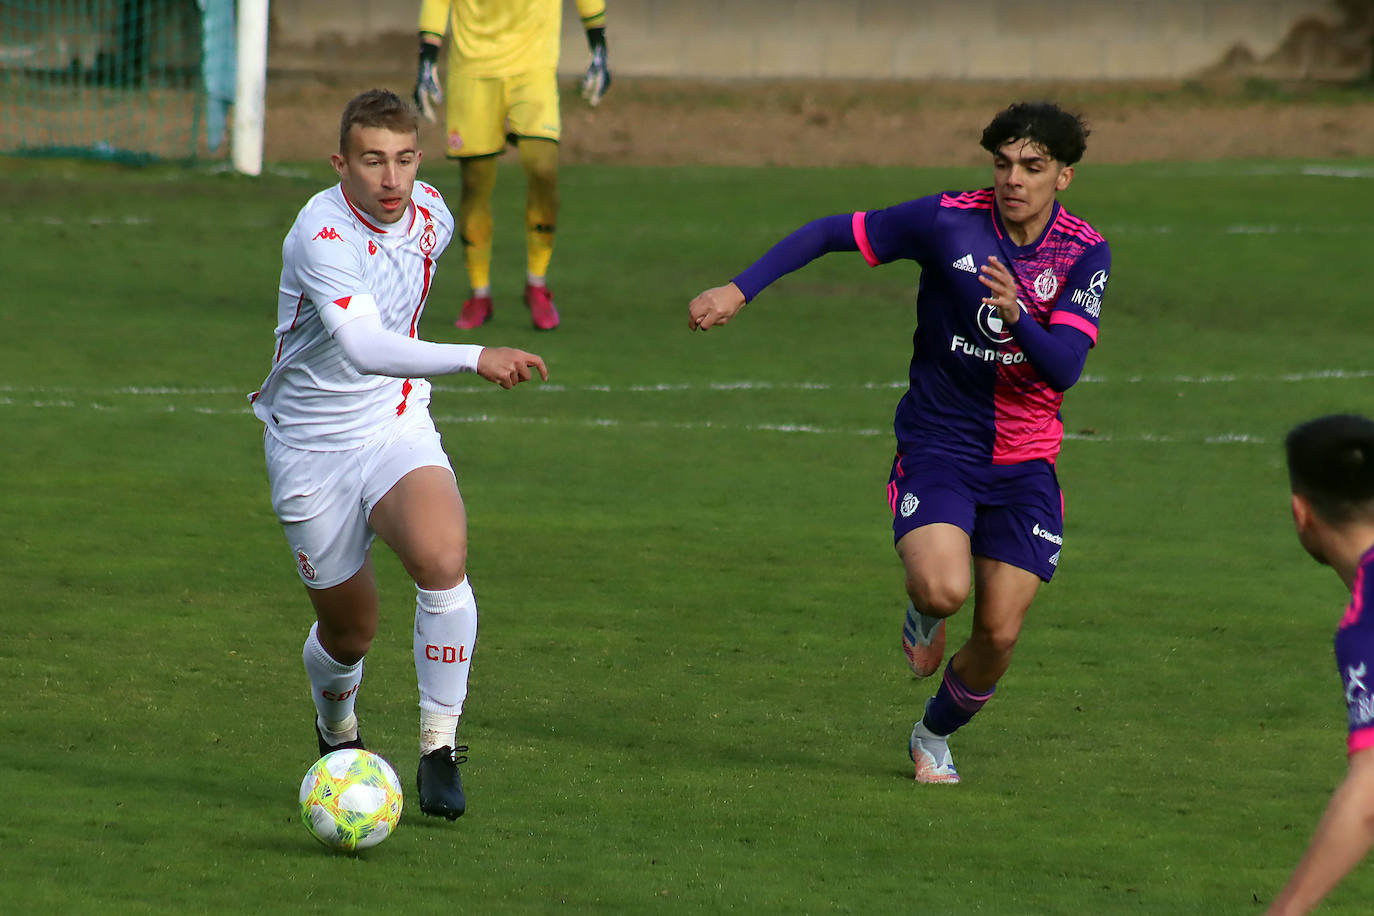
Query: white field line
[619, 424]
[150, 399]
[59, 392]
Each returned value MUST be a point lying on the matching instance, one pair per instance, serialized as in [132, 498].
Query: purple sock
[954, 704]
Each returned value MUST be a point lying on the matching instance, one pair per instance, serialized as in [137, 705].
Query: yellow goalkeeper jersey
[503, 37]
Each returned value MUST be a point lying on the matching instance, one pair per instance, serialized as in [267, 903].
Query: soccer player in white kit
[351, 450]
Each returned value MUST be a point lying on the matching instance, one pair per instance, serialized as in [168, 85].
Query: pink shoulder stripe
[1072, 225]
[861, 236]
[1075, 321]
[1355, 609]
[1088, 237]
[1360, 740]
[968, 200]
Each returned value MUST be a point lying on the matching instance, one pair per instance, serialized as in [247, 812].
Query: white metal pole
[250, 86]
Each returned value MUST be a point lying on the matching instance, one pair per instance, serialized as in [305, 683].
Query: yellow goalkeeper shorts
[482, 111]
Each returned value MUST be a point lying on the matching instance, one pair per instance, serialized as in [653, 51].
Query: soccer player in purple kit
[1331, 474]
[1010, 294]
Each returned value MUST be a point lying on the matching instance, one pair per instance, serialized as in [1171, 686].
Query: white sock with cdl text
[445, 631]
[334, 688]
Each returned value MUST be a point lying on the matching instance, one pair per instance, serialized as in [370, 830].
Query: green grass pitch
[689, 693]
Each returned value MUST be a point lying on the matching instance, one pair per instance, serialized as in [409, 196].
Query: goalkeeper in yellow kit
[502, 82]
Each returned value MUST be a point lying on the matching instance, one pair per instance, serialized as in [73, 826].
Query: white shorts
[324, 499]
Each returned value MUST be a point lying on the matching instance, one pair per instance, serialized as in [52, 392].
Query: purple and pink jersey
[974, 394]
[1355, 655]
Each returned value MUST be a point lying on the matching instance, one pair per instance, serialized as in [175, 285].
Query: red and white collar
[367, 221]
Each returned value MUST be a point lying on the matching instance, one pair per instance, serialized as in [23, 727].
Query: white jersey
[338, 264]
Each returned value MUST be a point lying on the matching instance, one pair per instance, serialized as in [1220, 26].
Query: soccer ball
[350, 799]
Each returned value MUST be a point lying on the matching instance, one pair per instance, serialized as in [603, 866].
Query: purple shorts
[1013, 513]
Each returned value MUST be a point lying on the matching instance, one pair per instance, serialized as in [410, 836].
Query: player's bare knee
[999, 641]
[539, 172]
[346, 644]
[939, 598]
[437, 570]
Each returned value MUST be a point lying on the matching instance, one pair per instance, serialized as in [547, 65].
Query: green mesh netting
[114, 79]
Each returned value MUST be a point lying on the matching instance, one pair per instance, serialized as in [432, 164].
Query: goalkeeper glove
[598, 78]
[428, 95]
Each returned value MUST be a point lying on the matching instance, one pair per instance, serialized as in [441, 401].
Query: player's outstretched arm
[508, 367]
[373, 350]
[1343, 837]
[714, 306]
[818, 237]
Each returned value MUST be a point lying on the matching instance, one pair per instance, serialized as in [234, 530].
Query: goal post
[133, 80]
[250, 95]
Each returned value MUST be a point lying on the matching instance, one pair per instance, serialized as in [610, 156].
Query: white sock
[445, 630]
[334, 687]
[532, 280]
[481, 292]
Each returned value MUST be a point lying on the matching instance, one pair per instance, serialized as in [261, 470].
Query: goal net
[133, 80]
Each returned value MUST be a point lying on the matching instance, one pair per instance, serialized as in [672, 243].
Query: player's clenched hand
[508, 367]
[1002, 285]
[428, 95]
[715, 306]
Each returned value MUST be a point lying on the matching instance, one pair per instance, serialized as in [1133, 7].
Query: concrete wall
[896, 39]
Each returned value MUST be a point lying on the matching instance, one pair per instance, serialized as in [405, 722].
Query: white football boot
[930, 753]
[923, 641]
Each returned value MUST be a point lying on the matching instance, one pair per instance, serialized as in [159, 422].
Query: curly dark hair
[1062, 134]
[378, 108]
[1331, 465]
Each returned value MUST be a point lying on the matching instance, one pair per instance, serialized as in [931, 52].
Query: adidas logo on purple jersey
[965, 263]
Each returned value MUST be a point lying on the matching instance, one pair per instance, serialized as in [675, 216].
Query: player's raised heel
[476, 312]
[440, 785]
[930, 753]
[923, 641]
[542, 312]
[326, 747]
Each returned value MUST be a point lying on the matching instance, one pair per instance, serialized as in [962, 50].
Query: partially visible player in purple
[1010, 293]
[1331, 473]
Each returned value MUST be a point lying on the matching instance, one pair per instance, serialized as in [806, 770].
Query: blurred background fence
[909, 39]
[138, 79]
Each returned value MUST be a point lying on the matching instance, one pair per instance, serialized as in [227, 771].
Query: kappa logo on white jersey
[965, 264]
[1046, 285]
[909, 505]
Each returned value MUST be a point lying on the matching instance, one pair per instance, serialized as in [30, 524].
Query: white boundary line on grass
[73, 398]
[60, 392]
[618, 424]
